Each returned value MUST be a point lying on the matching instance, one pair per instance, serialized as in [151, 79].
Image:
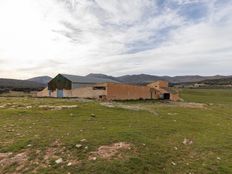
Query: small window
[99, 88]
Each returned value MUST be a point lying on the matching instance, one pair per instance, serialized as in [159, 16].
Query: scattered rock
[93, 115]
[2, 106]
[28, 107]
[69, 164]
[175, 148]
[172, 113]
[187, 141]
[93, 158]
[83, 140]
[173, 163]
[78, 145]
[60, 160]
[218, 158]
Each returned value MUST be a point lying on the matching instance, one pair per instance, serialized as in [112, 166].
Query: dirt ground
[59, 154]
[110, 151]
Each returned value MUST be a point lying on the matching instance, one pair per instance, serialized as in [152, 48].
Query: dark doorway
[166, 96]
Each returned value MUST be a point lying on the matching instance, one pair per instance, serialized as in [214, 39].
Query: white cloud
[181, 2]
[114, 37]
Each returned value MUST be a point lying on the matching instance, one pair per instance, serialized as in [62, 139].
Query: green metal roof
[84, 79]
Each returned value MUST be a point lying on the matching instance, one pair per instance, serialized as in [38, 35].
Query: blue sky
[115, 37]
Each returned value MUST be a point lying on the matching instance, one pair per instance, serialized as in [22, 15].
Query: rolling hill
[219, 82]
[145, 78]
[40, 79]
[20, 85]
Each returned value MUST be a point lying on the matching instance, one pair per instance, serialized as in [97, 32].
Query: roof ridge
[77, 78]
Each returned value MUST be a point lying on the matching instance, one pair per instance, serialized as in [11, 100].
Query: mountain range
[37, 83]
[146, 78]
[142, 78]
[40, 79]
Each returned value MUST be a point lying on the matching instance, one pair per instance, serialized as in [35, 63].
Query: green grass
[156, 138]
[219, 96]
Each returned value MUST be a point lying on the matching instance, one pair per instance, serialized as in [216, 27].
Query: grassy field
[70, 136]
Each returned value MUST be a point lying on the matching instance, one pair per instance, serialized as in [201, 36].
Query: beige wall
[43, 93]
[87, 92]
[159, 84]
[127, 92]
[115, 91]
[67, 93]
[175, 97]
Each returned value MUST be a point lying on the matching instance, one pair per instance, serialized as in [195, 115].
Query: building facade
[105, 89]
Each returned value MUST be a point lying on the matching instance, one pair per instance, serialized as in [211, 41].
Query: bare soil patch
[8, 159]
[110, 151]
[151, 107]
[121, 105]
[134, 107]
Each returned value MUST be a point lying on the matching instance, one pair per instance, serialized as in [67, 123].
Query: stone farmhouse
[71, 86]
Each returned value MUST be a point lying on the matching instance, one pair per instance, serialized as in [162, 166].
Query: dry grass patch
[61, 107]
[190, 105]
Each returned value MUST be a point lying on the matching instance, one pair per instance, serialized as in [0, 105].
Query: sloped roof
[84, 79]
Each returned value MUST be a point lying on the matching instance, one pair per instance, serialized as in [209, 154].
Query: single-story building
[164, 91]
[64, 85]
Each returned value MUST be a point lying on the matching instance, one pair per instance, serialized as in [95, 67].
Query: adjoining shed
[164, 92]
